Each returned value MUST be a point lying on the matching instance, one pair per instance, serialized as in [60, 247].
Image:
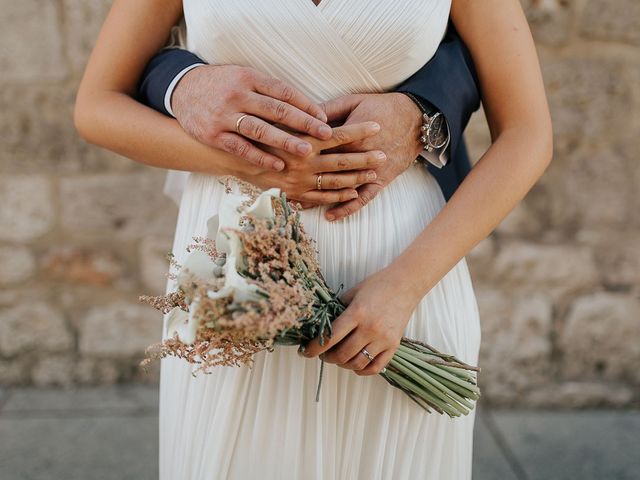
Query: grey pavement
[110, 433]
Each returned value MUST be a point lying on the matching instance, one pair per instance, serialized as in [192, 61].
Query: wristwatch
[434, 132]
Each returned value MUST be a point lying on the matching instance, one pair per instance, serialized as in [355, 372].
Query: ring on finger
[239, 121]
[367, 354]
[319, 182]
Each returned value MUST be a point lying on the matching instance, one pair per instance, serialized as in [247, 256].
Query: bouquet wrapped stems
[255, 283]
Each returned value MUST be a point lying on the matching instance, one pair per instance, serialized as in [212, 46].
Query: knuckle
[308, 124]
[243, 149]
[343, 162]
[287, 93]
[287, 144]
[340, 135]
[261, 131]
[281, 112]
[230, 145]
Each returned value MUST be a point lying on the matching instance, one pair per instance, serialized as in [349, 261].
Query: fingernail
[380, 155]
[353, 195]
[303, 148]
[279, 166]
[371, 175]
[331, 217]
[325, 130]
[322, 117]
[375, 127]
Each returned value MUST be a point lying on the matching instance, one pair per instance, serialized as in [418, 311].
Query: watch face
[438, 132]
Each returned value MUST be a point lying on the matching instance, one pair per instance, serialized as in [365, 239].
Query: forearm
[499, 181]
[119, 123]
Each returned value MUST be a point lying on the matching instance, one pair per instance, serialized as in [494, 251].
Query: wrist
[412, 115]
[179, 85]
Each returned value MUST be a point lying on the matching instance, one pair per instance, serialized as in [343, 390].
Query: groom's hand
[400, 121]
[210, 101]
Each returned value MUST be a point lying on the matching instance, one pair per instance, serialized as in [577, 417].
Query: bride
[401, 258]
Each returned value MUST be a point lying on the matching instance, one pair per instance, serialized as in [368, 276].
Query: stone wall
[83, 231]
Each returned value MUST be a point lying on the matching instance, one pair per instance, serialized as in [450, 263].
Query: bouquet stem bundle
[254, 282]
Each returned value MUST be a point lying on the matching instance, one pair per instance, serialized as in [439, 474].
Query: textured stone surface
[53, 370]
[587, 99]
[607, 20]
[17, 264]
[33, 328]
[516, 351]
[154, 265]
[599, 338]
[82, 23]
[31, 42]
[556, 269]
[579, 395]
[550, 20]
[83, 265]
[39, 136]
[27, 210]
[120, 205]
[119, 330]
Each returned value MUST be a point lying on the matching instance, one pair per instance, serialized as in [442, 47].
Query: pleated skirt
[263, 422]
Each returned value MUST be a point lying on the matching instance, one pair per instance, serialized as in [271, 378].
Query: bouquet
[254, 283]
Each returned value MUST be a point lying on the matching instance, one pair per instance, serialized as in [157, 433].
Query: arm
[107, 114]
[514, 98]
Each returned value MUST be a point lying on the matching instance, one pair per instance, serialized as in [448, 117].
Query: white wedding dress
[263, 423]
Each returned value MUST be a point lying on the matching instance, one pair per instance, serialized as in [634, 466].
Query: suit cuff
[172, 86]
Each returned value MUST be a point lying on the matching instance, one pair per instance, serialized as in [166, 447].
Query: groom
[446, 87]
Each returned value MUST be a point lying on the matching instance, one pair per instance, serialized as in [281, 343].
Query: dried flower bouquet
[254, 283]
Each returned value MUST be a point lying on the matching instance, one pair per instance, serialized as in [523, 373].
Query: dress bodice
[337, 47]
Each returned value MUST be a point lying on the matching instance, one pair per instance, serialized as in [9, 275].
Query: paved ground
[110, 434]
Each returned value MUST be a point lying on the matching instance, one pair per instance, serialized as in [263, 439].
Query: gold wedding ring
[367, 354]
[319, 182]
[239, 121]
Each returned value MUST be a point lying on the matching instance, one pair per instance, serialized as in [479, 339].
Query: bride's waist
[409, 190]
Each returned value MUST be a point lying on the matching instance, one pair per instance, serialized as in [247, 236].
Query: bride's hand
[378, 311]
[341, 173]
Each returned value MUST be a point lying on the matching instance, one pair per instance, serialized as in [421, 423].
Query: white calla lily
[183, 323]
[235, 285]
[198, 263]
[262, 207]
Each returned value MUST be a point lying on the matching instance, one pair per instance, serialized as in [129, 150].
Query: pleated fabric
[263, 422]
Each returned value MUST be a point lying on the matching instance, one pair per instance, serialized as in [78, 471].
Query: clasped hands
[286, 141]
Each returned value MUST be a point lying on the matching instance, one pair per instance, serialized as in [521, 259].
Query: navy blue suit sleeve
[449, 82]
[159, 73]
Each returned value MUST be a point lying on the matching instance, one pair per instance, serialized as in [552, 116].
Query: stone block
[579, 196]
[579, 395]
[586, 96]
[516, 347]
[17, 264]
[33, 329]
[89, 266]
[612, 21]
[27, 207]
[154, 265]
[14, 372]
[38, 135]
[617, 255]
[53, 370]
[550, 20]
[119, 330]
[599, 338]
[118, 205]
[31, 42]
[82, 23]
[556, 270]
